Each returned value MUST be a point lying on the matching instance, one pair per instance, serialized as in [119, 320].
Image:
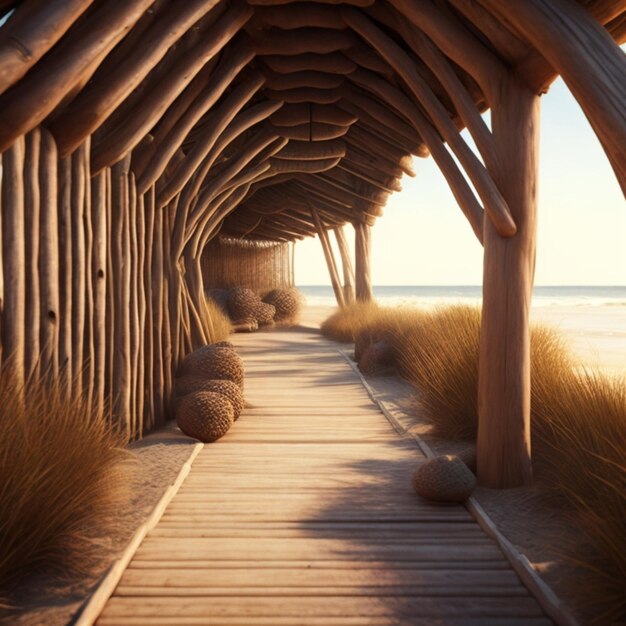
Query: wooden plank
[319, 578]
[382, 606]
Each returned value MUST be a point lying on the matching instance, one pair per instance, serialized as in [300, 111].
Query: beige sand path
[304, 515]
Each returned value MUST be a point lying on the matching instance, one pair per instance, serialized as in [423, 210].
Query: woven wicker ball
[224, 344]
[190, 384]
[444, 479]
[205, 415]
[287, 303]
[264, 314]
[242, 303]
[213, 362]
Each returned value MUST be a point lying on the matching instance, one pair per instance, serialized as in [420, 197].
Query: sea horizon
[433, 295]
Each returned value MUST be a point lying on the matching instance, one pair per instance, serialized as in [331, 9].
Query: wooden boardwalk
[303, 515]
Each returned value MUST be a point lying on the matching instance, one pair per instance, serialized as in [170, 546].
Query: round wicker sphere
[242, 303]
[228, 389]
[190, 384]
[224, 344]
[264, 313]
[205, 415]
[287, 303]
[212, 362]
[444, 479]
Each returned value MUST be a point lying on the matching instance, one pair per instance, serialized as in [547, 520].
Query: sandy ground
[538, 528]
[49, 602]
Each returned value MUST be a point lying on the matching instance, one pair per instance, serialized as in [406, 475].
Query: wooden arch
[133, 132]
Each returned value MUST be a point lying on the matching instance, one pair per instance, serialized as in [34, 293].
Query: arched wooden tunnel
[134, 131]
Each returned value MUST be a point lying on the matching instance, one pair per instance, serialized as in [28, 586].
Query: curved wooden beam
[590, 62]
[311, 132]
[110, 86]
[31, 31]
[456, 42]
[305, 112]
[118, 142]
[224, 75]
[304, 94]
[309, 78]
[33, 98]
[281, 166]
[301, 15]
[225, 114]
[495, 204]
[458, 185]
[303, 40]
[306, 150]
[333, 63]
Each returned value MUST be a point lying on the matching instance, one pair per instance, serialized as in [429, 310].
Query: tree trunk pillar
[503, 445]
[346, 262]
[362, 251]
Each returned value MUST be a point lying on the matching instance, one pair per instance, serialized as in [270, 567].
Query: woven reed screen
[259, 265]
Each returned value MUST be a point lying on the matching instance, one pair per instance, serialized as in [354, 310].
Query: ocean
[431, 296]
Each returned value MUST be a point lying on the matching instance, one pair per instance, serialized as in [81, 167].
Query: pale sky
[424, 239]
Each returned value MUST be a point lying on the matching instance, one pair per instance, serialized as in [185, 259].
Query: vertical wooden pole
[166, 303]
[503, 445]
[150, 405]
[65, 269]
[120, 253]
[133, 302]
[79, 270]
[99, 281]
[322, 233]
[158, 324]
[362, 251]
[111, 288]
[89, 354]
[49, 257]
[31, 215]
[346, 262]
[13, 257]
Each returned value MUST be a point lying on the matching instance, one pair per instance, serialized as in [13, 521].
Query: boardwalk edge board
[104, 590]
[542, 592]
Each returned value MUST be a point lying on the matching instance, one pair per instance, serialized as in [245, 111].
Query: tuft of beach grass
[64, 473]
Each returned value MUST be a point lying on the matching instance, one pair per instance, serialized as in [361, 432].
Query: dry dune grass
[64, 473]
[578, 418]
[217, 322]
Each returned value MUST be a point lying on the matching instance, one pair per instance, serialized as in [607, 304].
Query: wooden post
[503, 445]
[362, 250]
[13, 256]
[346, 262]
[150, 404]
[120, 253]
[133, 261]
[89, 347]
[141, 313]
[158, 324]
[49, 257]
[31, 220]
[65, 268]
[78, 187]
[99, 280]
[330, 258]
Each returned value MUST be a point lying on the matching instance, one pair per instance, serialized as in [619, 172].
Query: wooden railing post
[503, 445]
